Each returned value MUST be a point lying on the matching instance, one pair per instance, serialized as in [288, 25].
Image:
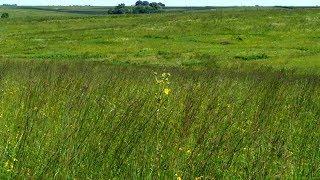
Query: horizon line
[169, 6]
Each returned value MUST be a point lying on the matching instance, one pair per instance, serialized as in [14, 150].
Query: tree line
[140, 7]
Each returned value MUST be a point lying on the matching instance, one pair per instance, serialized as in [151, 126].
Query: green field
[231, 37]
[212, 93]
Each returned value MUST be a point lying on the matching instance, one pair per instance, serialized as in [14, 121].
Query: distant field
[223, 37]
[87, 10]
[226, 93]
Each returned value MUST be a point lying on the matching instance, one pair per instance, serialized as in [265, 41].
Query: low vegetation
[4, 15]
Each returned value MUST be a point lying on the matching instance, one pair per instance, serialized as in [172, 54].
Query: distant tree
[142, 3]
[155, 5]
[4, 15]
[10, 5]
[140, 7]
[120, 9]
[139, 3]
[161, 4]
[121, 6]
[145, 3]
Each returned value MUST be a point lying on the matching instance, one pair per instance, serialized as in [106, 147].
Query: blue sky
[167, 2]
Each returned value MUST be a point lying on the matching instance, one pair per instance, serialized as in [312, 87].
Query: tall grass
[98, 121]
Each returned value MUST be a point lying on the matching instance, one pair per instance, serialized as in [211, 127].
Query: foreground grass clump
[92, 120]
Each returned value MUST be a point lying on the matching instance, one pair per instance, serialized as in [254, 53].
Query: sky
[168, 2]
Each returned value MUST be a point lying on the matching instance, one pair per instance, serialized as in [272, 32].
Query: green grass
[170, 38]
[94, 120]
[83, 96]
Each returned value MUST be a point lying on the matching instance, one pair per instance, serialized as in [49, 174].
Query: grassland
[282, 38]
[230, 93]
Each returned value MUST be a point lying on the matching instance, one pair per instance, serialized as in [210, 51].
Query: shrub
[4, 15]
[253, 57]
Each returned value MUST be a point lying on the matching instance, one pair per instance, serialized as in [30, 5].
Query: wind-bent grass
[98, 121]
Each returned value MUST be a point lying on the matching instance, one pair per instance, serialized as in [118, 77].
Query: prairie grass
[223, 38]
[98, 121]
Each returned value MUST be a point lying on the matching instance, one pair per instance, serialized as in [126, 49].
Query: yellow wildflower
[167, 91]
[9, 166]
[159, 81]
